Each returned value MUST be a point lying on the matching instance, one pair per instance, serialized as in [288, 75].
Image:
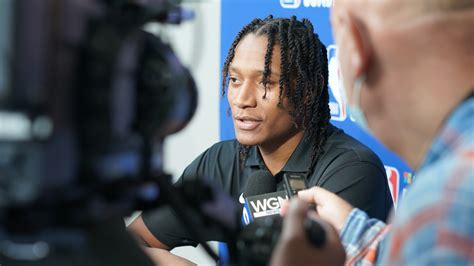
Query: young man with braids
[276, 72]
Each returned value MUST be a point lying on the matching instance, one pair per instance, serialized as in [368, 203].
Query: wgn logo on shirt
[292, 4]
[337, 105]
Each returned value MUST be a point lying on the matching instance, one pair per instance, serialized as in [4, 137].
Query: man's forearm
[144, 235]
[164, 257]
[363, 238]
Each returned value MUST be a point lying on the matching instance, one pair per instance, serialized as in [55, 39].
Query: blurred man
[408, 69]
[275, 77]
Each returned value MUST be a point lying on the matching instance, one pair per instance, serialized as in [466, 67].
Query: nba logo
[337, 104]
[290, 3]
[393, 177]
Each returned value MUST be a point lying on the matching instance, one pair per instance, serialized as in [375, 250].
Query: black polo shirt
[347, 168]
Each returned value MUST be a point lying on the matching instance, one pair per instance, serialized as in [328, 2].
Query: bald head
[382, 12]
[407, 50]
[403, 11]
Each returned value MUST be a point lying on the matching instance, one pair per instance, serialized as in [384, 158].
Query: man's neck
[276, 156]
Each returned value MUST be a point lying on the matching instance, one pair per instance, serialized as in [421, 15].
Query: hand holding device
[295, 182]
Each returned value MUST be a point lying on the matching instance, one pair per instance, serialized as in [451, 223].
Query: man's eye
[232, 80]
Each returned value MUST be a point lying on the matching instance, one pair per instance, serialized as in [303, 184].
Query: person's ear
[358, 44]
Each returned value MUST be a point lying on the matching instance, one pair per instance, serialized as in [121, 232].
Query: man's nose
[246, 96]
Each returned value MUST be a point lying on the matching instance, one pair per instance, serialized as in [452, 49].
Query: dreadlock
[303, 78]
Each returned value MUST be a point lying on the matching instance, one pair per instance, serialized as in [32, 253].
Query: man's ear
[359, 45]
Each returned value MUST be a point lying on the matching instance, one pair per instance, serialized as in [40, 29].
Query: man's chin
[247, 140]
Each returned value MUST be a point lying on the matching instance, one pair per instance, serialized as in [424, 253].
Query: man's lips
[247, 122]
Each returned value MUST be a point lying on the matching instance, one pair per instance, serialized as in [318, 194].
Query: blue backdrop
[236, 13]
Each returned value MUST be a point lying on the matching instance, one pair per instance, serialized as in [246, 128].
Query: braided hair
[304, 71]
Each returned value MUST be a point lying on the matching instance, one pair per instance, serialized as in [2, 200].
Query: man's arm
[363, 238]
[161, 228]
[164, 257]
[154, 248]
[144, 235]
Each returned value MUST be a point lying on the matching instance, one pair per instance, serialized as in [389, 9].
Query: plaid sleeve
[363, 238]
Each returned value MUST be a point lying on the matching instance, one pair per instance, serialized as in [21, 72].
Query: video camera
[86, 100]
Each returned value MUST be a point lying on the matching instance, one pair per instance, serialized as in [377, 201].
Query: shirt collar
[455, 131]
[299, 161]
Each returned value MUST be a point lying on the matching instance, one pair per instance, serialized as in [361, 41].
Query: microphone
[260, 198]
[264, 224]
[260, 182]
